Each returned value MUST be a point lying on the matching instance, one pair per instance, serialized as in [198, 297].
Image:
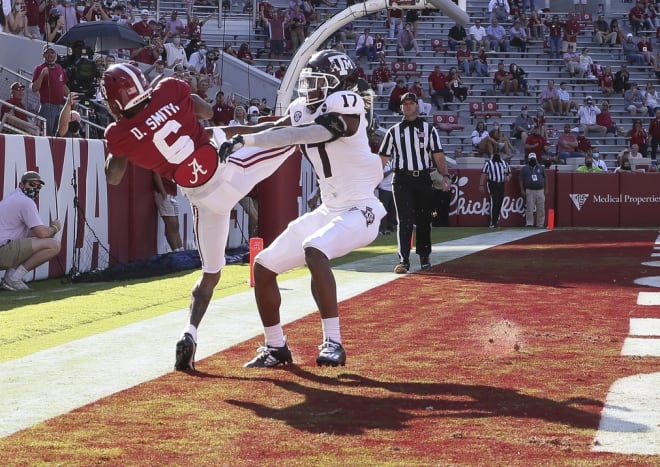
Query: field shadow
[337, 408]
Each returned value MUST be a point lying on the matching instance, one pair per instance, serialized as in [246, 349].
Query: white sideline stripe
[649, 281]
[645, 327]
[641, 347]
[629, 421]
[653, 264]
[57, 380]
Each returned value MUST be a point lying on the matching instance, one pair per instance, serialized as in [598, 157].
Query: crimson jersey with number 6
[162, 135]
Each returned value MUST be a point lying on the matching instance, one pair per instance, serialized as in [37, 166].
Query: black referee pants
[496, 190]
[413, 198]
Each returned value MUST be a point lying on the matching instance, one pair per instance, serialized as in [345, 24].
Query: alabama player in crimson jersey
[329, 122]
[159, 129]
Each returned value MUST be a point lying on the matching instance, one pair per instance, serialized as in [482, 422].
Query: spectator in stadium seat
[143, 27]
[571, 60]
[555, 33]
[175, 54]
[405, 41]
[638, 135]
[535, 26]
[497, 38]
[584, 143]
[622, 79]
[602, 32]
[651, 97]
[67, 8]
[223, 112]
[598, 160]
[587, 117]
[456, 85]
[550, 98]
[646, 49]
[634, 102]
[16, 99]
[394, 104]
[382, 79]
[464, 59]
[631, 52]
[522, 125]
[499, 10]
[537, 144]
[584, 67]
[412, 18]
[245, 54]
[240, 116]
[174, 25]
[417, 89]
[478, 36]
[637, 19]
[479, 64]
[364, 47]
[566, 104]
[518, 37]
[567, 145]
[482, 142]
[438, 88]
[394, 16]
[297, 23]
[604, 118]
[606, 82]
[588, 166]
[379, 45]
[54, 27]
[502, 79]
[26, 241]
[458, 35]
[620, 33]
[16, 20]
[571, 31]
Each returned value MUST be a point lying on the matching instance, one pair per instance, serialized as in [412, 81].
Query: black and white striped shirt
[411, 145]
[496, 171]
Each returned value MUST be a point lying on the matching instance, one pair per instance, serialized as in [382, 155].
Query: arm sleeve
[286, 136]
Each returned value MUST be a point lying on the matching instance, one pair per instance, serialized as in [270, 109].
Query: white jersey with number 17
[347, 170]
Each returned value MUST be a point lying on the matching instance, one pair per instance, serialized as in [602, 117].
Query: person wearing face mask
[534, 189]
[175, 54]
[589, 166]
[253, 115]
[197, 60]
[69, 122]
[522, 124]
[25, 242]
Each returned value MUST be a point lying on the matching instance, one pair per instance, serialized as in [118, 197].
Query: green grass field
[56, 311]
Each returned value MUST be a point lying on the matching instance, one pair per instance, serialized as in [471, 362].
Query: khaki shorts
[15, 253]
[167, 206]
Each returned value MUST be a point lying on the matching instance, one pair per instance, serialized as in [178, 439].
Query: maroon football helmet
[123, 87]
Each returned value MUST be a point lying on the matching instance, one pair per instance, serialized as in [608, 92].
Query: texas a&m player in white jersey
[329, 122]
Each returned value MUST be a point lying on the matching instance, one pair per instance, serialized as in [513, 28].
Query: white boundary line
[55, 381]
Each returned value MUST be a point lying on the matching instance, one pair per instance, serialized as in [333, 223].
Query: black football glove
[229, 146]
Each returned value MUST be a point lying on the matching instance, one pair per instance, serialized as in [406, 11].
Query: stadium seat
[405, 70]
[438, 46]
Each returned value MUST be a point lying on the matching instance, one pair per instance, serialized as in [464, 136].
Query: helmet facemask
[315, 86]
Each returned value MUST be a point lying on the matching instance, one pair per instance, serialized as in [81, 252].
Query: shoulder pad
[344, 102]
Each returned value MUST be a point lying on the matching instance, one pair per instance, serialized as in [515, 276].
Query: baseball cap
[409, 96]
[629, 35]
[16, 85]
[253, 109]
[524, 107]
[47, 47]
[145, 12]
[532, 155]
[32, 175]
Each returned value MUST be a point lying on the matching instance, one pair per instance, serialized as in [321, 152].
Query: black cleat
[270, 356]
[332, 354]
[185, 353]
[426, 263]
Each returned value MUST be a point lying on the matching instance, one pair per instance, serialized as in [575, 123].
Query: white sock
[17, 274]
[331, 329]
[274, 336]
[192, 330]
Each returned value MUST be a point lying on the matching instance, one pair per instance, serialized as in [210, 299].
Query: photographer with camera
[147, 53]
[94, 11]
[587, 116]
[50, 80]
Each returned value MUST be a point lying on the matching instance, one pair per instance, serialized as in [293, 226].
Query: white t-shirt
[18, 214]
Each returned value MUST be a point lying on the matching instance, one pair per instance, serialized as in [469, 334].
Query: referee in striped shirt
[495, 172]
[413, 145]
